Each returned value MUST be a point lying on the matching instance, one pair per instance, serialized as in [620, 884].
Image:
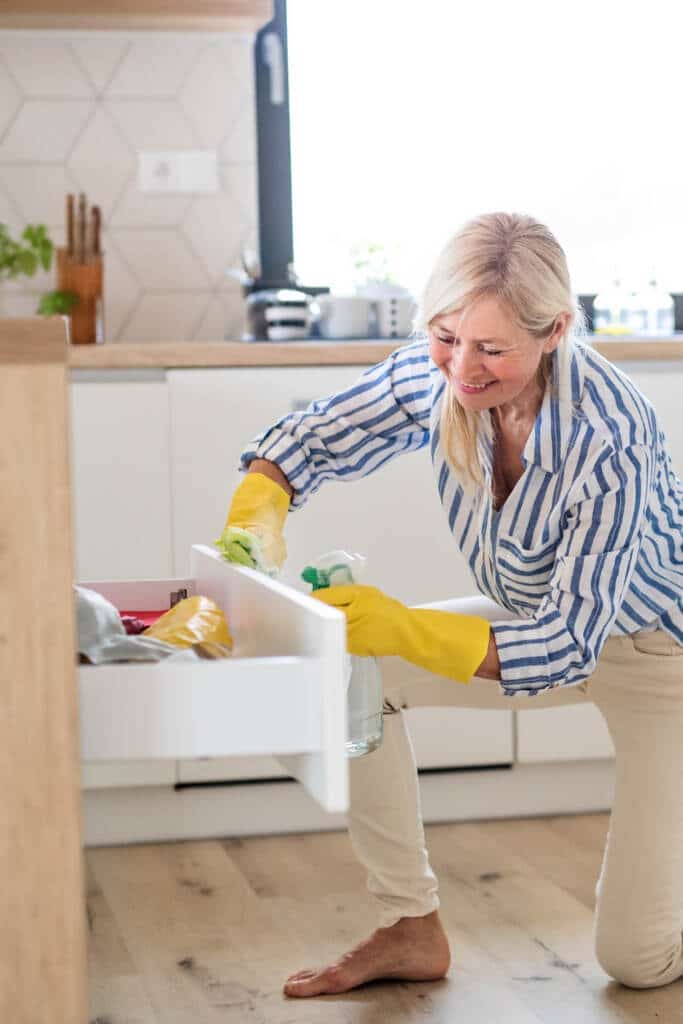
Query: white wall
[75, 108]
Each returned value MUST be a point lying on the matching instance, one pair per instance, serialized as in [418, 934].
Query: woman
[558, 488]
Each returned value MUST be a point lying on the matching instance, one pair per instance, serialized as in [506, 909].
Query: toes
[316, 983]
[306, 983]
[306, 973]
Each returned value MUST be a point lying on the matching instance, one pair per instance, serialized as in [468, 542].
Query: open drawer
[283, 692]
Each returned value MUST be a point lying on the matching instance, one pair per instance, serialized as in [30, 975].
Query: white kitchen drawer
[282, 692]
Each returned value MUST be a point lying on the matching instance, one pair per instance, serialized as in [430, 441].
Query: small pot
[344, 316]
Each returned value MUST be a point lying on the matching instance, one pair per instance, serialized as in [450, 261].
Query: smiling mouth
[473, 387]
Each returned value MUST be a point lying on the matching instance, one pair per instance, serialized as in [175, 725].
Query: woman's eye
[452, 341]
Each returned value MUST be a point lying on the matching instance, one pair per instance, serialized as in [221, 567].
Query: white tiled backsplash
[75, 110]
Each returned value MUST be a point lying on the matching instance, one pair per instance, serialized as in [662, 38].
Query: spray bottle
[364, 695]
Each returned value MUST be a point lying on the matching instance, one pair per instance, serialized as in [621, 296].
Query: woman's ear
[560, 328]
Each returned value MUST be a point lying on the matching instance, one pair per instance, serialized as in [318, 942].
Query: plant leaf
[46, 249]
[25, 256]
[27, 262]
[57, 303]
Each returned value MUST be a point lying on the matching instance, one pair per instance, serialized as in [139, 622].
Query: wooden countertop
[136, 355]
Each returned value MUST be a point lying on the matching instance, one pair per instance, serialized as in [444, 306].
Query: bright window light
[408, 118]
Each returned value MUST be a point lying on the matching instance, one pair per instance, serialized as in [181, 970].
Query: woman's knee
[639, 967]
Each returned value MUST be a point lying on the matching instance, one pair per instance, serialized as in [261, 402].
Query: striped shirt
[590, 541]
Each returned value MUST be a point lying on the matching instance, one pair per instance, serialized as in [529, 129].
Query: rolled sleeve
[352, 433]
[594, 563]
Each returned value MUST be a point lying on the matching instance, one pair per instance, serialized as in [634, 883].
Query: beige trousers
[638, 687]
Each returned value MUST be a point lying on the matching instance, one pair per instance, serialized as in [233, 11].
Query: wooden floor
[205, 932]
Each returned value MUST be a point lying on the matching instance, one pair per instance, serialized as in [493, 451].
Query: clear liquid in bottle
[364, 687]
[364, 707]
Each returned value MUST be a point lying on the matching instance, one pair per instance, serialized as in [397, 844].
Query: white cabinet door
[574, 733]
[121, 477]
[122, 507]
[394, 517]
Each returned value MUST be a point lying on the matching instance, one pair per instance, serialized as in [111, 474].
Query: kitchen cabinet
[222, 15]
[120, 464]
[574, 733]
[121, 472]
[394, 517]
[169, 442]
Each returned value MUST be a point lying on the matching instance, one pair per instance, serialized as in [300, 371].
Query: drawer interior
[283, 691]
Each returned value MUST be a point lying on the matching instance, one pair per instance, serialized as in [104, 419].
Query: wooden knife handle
[96, 226]
[70, 225]
[81, 227]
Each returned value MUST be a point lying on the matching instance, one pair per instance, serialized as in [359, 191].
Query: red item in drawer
[149, 618]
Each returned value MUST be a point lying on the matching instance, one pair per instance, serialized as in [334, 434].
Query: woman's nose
[465, 364]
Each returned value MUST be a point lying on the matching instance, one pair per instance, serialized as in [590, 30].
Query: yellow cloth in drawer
[193, 620]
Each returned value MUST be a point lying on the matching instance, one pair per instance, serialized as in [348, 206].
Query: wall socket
[189, 170]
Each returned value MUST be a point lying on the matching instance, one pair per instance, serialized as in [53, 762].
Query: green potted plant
[24, 256]
[372, 263]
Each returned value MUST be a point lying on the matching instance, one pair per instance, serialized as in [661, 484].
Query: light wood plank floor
[205, 932]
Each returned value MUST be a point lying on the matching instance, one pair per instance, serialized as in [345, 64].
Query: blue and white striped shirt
[589, 542]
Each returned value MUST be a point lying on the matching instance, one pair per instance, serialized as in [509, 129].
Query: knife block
[85, 279]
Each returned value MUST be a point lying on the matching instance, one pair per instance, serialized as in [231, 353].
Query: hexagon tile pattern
[74, 115]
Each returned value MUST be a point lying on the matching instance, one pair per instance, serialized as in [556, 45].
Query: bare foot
[413, 949]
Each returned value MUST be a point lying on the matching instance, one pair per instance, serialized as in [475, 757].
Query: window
[409, 118]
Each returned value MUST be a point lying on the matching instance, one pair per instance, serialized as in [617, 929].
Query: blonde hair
[517, 260]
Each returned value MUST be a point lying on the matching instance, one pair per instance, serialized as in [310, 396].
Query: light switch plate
[190, 170]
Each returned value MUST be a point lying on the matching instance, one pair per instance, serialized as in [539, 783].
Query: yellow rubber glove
[252, 534]
[447, 643]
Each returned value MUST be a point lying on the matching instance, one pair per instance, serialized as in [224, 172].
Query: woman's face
[487, 359]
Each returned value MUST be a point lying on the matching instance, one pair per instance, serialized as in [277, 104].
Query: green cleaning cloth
[243, 548]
